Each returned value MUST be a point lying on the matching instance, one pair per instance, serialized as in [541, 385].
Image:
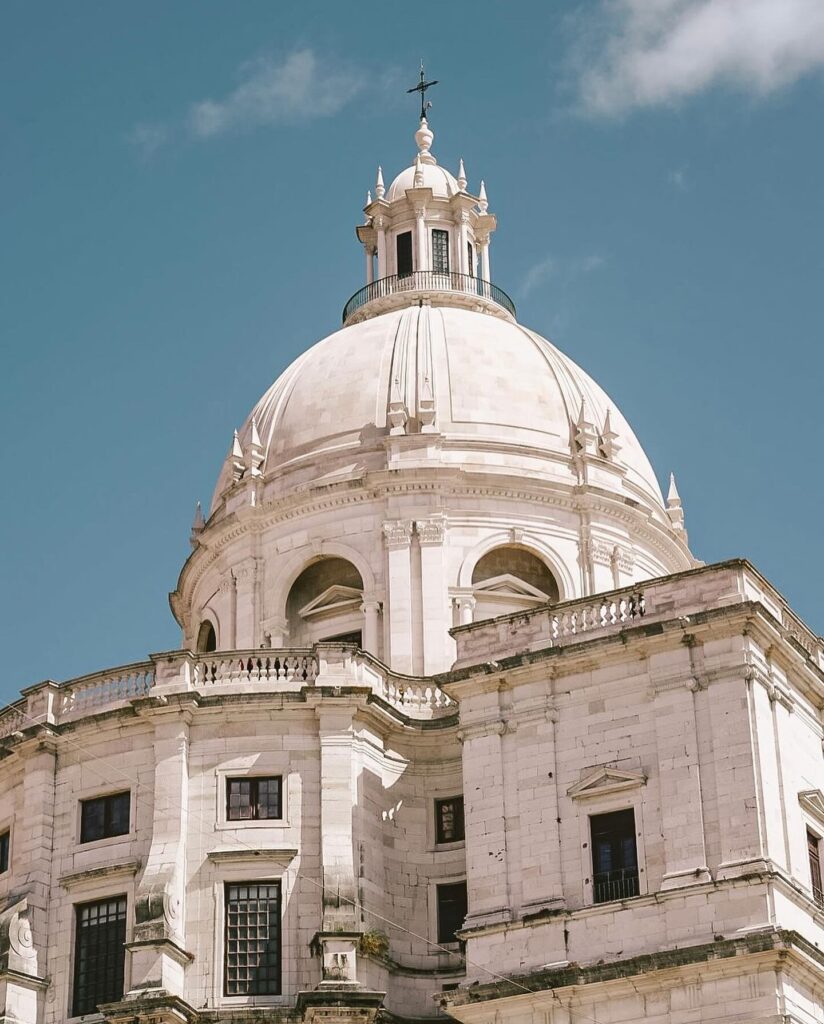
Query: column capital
[431, 531]
[397, 533]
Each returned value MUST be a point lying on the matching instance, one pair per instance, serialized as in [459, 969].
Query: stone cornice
[108, 872]
[280, 855]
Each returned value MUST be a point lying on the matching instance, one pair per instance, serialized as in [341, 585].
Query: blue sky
[180, 184]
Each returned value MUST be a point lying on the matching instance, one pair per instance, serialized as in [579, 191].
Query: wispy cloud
[678, 178]
[301, 86]
[646, 53]
[563, 271]
[147, 139]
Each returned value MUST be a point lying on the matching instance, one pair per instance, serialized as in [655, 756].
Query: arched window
[206, 638]
[511, 579]
[324, 603]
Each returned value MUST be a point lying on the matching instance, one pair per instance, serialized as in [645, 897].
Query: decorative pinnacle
[673, 497]
[198, 522]
[417, 181]
[483, 202]
[461, 177]
[380, 191]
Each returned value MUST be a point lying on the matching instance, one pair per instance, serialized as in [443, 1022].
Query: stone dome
[443, 184]
[498, 397]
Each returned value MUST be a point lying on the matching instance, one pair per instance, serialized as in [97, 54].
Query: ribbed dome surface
[499, 391]
[442, 183]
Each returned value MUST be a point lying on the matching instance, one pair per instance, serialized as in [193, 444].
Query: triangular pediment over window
[604, 780]
[336, 598]
[508, 585]
[812, 800]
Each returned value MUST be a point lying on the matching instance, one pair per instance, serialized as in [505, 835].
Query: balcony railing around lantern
[428, 281]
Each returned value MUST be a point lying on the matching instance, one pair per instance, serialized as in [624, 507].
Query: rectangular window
[104, 816]
[614, 856]
[252, 940]
[470, 261]
[440, 251]
[451, 910]
[253, 799]
[449, 819]
[403, 250]
[5, 838]
[99, 954]
[814, 851]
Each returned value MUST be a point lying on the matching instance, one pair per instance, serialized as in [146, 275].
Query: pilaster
[398, 536]
[433, 590]
[158, 955]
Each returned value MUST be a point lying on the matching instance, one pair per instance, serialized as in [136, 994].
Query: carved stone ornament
[17, 951]
[398, 533]
[430, 531]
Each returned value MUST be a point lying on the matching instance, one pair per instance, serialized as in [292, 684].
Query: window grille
[104, 816]
[254, 799]
[99, 954]
[440, 251]
[252, 940]
[5, 838]
[449, 819]
[614, 856]
[451, 910]
[814, 851]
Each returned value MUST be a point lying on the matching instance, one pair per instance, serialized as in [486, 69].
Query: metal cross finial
[421, 87]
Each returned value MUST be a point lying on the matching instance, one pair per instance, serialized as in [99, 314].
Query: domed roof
[500, 397]
[443, 184]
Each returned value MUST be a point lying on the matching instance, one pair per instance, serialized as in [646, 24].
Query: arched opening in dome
[324, 603]
[206, 638]
[510, 579]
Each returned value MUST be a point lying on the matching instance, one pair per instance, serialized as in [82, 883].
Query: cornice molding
[604, 780]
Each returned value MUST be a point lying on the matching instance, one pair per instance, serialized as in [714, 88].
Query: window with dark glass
[5, 839]
[254, 799]
[252, 940]
[440, 251]
[614, 856]
[814, 851]
[104, 816]
[470, 260]
[99, 954]
[403, 250]
[451, 910]
[449, 819]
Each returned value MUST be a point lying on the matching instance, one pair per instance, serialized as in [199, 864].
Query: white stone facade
[437, 565]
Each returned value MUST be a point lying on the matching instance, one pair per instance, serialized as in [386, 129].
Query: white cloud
[564, 271]
[645, 53]
[538, 274]
[677, 177]
[299, 87]
[148, 138]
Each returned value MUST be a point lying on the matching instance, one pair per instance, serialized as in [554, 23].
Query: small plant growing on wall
[373, 943]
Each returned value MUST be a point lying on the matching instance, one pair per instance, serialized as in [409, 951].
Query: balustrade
[428, 281]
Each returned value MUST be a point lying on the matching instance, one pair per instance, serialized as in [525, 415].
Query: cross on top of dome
[421, 87]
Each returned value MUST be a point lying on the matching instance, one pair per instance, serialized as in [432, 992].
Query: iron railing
[615, 885]
[428, 281]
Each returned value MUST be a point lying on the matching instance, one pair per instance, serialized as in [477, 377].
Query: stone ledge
[232, 854]
[123, 869]
[779, 941]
